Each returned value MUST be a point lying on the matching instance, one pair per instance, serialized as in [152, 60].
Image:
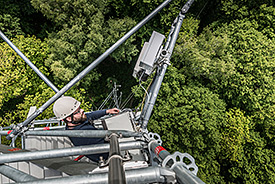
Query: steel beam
[14, 174]
[55, 153]
[76, 133]
[84, 133]
[166, 53]
[135, 176]
[40, 74]
[116, 174]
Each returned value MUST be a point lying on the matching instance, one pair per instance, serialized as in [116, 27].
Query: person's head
[68, 109]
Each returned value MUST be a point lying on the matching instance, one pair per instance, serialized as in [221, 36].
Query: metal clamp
[108, 137]
[112, 157]
[154, 159]
[180, 158]
[164, 57]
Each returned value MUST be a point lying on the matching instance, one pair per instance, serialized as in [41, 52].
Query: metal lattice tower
[135, 155]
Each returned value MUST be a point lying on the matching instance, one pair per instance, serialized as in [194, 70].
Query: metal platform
[47, 168]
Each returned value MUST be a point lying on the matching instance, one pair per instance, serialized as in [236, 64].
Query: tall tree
[236, 62]
[19, 82]
[20, 17]
[83, 35]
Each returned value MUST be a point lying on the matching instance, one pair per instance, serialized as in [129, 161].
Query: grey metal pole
[52, 128]
[47, 121]
[135, 176]
[5, 132]
[155, 90]
[12, 144]
[14, 174]
[41, 75]
[20, 127]
[7, 127]
[116, 174]
[23, 145]
[170, 44]
[84, 133]
[55, 153]
[184, 176]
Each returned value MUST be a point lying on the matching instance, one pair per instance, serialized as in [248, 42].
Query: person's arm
[98, 114]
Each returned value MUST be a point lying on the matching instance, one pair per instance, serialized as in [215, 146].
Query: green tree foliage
[138, 10]
[242, 9]
[260, 12]
[190, 121]
[236, 62]
[19, 83]
[10, 26]
[20, 17]
[84, 34]
[265, 18]
[236, 132]
[248, 158]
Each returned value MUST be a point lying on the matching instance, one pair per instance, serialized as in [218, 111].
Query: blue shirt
[81, 141]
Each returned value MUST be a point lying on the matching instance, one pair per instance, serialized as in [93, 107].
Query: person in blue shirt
[68, 109]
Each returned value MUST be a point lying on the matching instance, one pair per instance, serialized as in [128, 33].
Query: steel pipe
[183, 175]
[55, 153]
[135, 176]
[14, 174]
[168, 48]
[116, 174]
[154, 90]
[60, 128]
[40, 74]
[7, 127]
[4, 132]
[84, 133]
[75, 133]
[46, 121]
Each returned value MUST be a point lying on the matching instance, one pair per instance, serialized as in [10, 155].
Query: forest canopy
[220, 83]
